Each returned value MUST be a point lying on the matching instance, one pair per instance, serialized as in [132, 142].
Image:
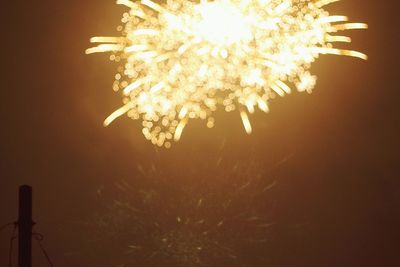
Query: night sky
[328, 161]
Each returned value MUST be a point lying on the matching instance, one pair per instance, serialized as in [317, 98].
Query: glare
[222, 23]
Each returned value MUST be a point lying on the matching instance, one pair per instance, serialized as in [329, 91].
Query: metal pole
[25, 227]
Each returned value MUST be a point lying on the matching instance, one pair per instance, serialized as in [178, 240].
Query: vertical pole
[25, 227]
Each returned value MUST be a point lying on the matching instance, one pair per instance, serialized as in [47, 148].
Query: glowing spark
[183, 59]
[119, 112]
[179, 130]
[246, 122]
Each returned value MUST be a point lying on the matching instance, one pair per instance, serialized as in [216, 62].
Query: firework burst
[160, 220]
[183, 59]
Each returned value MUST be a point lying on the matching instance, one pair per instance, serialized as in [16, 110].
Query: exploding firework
[156, 221]
[184, 59]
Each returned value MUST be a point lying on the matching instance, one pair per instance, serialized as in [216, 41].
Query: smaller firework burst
[200, 222]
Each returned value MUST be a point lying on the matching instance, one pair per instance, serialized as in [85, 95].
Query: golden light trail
[183, 60]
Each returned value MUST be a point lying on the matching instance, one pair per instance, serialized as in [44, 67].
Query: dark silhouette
[25, 227]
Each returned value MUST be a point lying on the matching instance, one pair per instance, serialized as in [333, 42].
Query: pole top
[25, 188]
